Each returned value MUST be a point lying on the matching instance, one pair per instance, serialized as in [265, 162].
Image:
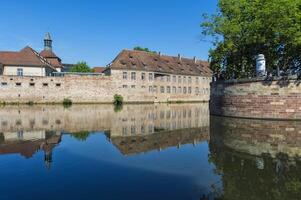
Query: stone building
[28, 62]
[165, 78]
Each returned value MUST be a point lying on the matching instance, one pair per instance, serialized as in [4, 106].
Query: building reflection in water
[256, 159]
[26, 130]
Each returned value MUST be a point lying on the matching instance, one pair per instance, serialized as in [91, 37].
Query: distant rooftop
[145, 61]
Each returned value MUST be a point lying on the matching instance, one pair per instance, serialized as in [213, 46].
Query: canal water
[163, 151]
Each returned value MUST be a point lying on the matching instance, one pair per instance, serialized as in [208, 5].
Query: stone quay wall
[92, 89]
[257, 98]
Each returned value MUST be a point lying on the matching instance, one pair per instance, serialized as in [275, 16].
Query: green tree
[81, 136]
[138, 48]
[81, 67]
[242, 29]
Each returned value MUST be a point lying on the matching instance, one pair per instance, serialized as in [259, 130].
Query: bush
[118, 99]
[118, 108]
[67, 102]
[30, 103]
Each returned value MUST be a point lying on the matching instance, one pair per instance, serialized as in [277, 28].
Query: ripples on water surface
[174, 151]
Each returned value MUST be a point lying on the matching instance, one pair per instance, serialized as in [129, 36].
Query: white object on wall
[260, 65]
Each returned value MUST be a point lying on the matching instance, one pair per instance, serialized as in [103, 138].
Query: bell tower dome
[47, 42]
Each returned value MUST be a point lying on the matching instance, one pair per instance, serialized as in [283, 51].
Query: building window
[184, 90]
[174, 90]
[150, 89]
[18, 84]
[143, 86]
[162, 78]
[189, 79]
[189, 90]
[125, 75]
[142, 76]
[197, 90]
[133, 75]
[142, 129]
[124, 86]
[45, 84]
[133, 86]
[174, 79]
[162, 89]
[31, 84]
[150, 76]
[168, 89]
[197, 80]
[179, 79]
[168, 78]
[133, 129]
[179, 90]
[184, 79]
[4, 83]
[19, 72]
[155, 89]
[58, 85]
[124, 131]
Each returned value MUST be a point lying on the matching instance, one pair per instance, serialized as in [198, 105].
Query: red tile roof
[26, 57]
[48, 54]
[52, 58]
[144, 61]
[98, 69]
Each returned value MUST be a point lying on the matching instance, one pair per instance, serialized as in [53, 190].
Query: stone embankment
[257, 98]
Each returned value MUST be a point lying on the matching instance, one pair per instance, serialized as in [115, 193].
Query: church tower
[47, 42]
[49, 55]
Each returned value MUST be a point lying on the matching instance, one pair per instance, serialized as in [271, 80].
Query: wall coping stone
[256, 79]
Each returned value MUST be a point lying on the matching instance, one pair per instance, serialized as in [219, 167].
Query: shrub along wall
[257, 98]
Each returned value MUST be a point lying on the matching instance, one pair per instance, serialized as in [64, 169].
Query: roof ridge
[162, 55]
[41, 58]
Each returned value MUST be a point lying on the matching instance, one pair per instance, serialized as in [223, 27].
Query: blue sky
[96, 30]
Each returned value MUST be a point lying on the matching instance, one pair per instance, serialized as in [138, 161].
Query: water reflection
[133, 129]
[257, 159]
[157, 145]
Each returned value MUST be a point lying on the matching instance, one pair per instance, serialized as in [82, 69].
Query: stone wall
[95, 89]
[257, 98]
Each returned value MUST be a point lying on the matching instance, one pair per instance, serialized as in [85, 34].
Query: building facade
[162, 78]
[136, 75]
[28, 62]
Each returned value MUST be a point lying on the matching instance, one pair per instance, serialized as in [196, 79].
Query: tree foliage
[242, 29]
[81, 67]
[81, 136]
[138, 48]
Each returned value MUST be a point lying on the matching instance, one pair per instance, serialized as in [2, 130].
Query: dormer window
[133, 64]
[123, 62]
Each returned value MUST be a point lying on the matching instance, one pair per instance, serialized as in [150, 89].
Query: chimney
[179, 57]
[194, 60]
